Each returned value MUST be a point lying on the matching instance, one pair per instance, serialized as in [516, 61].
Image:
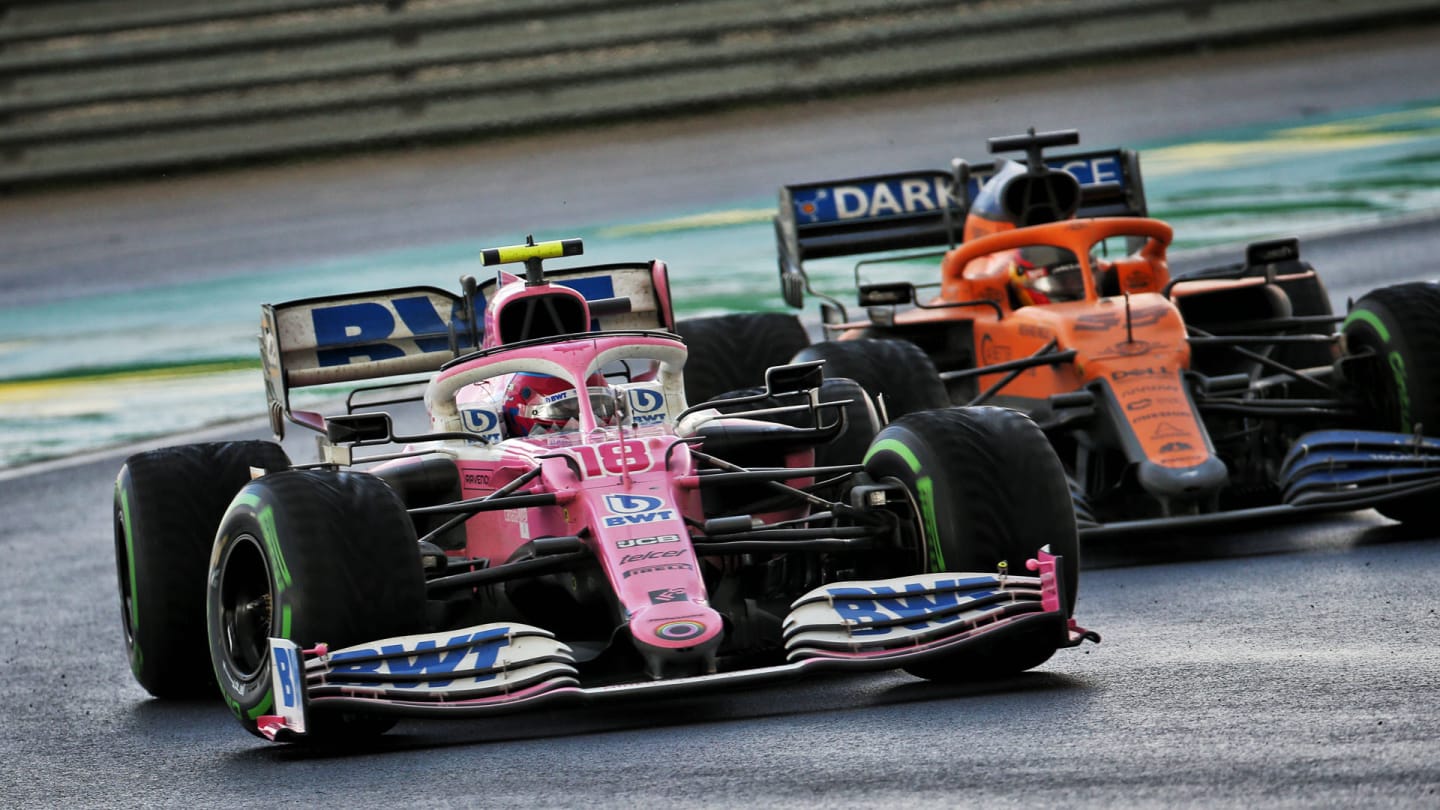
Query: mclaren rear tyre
[168, 504]
[315, 557]
[1399, 387]
[1308, 298]
[729, 352]
[989, 489]
[896, 372]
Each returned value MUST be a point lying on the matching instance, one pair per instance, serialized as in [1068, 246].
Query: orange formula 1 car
[1190, 398]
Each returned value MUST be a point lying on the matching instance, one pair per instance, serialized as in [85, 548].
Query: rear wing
[925, 208]
[412, 330]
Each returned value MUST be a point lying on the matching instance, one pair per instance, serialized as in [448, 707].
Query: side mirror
[358, 428]
[794, 377]
[889, 294]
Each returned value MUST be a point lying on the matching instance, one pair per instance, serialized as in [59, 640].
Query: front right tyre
[988, 489]
[1398, 386]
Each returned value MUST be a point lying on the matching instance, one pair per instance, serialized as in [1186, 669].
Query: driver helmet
[541, 403]
[1046, 275]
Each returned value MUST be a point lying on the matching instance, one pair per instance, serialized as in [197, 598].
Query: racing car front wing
[507, 667]
[1325, 471]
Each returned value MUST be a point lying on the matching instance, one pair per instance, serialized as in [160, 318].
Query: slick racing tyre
[897, 372]
[728, 352]
[1307, 298]
[1399, 390]
[989, 489]
[168, 503]
[315, 557]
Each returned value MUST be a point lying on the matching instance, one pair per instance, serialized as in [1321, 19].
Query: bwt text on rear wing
[925, 208]
[413, 330]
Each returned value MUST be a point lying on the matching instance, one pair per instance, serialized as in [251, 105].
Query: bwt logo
[631, 504]
[363, 332]
[914, 607]
[423, 661]
[631, 510]
[287, 667]
[647, 407]
[480, 420]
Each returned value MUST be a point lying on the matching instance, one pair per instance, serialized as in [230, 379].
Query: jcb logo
[647, 541]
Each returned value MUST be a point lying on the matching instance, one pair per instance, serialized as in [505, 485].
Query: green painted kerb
[272, 542]
[925, 488]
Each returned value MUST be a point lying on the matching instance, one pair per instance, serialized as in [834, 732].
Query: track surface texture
[1274, 666]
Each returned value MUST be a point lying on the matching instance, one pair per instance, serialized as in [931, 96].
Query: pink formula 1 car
[563, 526]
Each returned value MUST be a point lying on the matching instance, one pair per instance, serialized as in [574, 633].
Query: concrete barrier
[111, 87]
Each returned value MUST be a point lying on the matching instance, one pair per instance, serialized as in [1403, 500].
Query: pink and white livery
[561, 525]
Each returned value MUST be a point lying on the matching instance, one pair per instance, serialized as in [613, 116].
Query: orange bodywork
[1136, 344]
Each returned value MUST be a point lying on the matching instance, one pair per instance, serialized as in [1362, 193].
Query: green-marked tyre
[315, 557]
[895, 371]
[989, 488]
[168, 504]
[729, 352]
[1399, 389]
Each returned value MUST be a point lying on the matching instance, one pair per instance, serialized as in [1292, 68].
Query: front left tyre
[316, 557]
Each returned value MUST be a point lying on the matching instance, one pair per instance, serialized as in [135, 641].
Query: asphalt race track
[1278, 666]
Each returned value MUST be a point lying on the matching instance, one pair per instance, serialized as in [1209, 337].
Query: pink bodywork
[625, 491]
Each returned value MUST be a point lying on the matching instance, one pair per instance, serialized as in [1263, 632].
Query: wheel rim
[246, 607]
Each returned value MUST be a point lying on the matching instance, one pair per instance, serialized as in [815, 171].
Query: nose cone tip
[1183, 482]
[676, 626]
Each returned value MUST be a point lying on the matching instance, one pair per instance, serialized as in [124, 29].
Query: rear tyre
[861, 419]
[315, 557]
[895, 371]
[728, 352]
[1307, 298]
[1400, 389]
[990, 489]
[168, 504]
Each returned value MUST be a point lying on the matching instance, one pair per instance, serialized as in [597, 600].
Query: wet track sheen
[1285, 665]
